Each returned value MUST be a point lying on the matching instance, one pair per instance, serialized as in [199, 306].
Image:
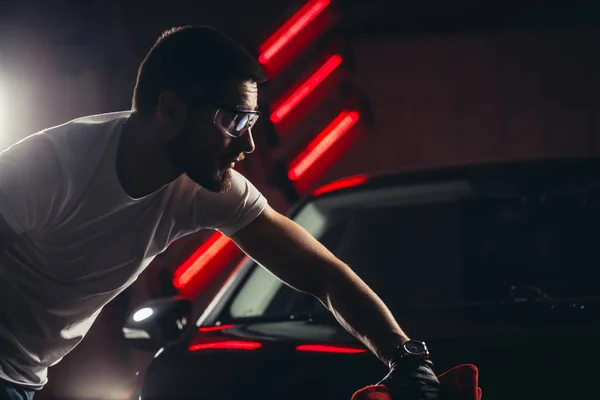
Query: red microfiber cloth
[459, 383]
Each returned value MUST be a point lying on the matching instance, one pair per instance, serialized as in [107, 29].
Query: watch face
[415, 348]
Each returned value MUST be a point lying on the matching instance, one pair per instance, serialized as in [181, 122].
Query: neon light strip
[290, 29]
[201, 257]
[322, 143]
[306, 88]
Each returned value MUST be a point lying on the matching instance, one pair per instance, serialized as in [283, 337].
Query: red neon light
[322, 143]
[215, 328]
[320, 348]
[227, 345]
[291, 29]
[306, 88]
[341, 184]
[194, 264]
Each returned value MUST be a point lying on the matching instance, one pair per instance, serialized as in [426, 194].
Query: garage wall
[442, 100]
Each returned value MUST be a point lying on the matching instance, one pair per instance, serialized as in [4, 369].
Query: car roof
[530, 173]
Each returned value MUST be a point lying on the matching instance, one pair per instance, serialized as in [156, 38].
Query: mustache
[237, 158]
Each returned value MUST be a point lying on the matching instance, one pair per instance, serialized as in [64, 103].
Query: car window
[445, 250]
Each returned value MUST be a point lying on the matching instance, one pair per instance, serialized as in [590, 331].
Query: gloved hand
[458, 383]
[412, 380]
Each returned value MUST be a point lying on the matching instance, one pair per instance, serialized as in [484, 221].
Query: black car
[494, 265]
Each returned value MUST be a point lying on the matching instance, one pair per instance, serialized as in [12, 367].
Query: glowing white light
[3, 106]
[142, 314]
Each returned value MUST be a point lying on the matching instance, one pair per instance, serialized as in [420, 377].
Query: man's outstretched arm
[289, 252]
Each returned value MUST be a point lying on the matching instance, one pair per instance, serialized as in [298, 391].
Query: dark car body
[493, 265]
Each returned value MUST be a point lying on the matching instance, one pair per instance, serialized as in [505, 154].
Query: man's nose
[246, 142]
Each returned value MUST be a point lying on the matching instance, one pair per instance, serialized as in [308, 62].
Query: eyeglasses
[234, 122]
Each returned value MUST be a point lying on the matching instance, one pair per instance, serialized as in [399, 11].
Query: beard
[206, 173]
[217, 181]
[209, 170]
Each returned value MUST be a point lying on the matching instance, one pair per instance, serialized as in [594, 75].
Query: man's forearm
[360, 311]
[294, 256]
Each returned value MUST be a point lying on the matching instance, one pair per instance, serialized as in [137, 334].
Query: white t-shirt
[82, 240]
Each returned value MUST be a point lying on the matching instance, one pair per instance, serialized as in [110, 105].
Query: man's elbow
[311, 284]
[325, 281]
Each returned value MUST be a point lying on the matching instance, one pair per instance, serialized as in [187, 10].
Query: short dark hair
[192, 56]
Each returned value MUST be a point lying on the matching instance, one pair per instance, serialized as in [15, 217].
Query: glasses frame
[220, 107]
[194, 99]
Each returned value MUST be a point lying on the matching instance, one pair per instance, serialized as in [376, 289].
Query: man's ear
[171, 111]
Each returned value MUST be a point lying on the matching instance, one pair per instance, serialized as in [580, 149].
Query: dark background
[444, 83]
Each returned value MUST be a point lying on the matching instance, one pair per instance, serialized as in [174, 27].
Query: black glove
[412, 379]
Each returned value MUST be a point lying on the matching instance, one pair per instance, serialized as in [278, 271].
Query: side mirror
[156, 323]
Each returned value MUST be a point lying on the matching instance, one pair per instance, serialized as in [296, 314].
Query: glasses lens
[252, 118]
[225, 119]
[235, 124]
[242, 122]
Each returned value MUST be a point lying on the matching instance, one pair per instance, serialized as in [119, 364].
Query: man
[86, 205]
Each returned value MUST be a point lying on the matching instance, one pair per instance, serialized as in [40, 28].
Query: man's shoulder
[232, 209]
[101, 118]
[240, 190]
[76, 149]
[76, 132]
[85, 138]
[84, 128]
[32, 150]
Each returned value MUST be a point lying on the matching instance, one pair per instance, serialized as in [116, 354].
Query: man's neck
[143, 165]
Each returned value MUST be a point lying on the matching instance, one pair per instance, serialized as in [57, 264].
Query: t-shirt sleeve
[232, 210]
[31, 184]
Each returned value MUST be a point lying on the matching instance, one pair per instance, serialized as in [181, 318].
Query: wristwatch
[411, 370]
[411, 350]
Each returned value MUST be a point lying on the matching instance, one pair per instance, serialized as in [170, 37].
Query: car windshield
[444, 244]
